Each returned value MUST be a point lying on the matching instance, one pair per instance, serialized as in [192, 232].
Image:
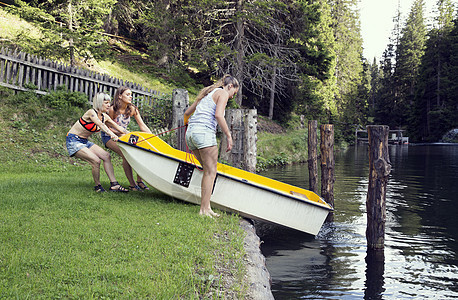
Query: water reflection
[420, 255]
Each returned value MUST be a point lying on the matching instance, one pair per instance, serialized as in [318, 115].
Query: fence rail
[21, 70]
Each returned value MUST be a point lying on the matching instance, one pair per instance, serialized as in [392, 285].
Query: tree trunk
[70, 27]
[240, 51]
[272, 93]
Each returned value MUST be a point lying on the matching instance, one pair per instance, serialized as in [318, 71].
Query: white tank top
[205, 112]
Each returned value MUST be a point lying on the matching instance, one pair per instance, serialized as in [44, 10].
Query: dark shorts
[200, 136]
[105, 138]
[76, 143]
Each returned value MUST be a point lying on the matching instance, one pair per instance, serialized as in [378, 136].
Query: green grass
[11, 26]
[281, 149]
[60, 239]
[119, 70]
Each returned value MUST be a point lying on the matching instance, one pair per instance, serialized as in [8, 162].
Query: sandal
[119, 189]
[135, 188]
[142, 185]
[99, 188]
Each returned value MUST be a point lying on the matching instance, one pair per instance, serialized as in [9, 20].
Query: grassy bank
[59, 239]
[277, 149]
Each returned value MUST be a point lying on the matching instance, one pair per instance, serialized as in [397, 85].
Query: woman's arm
[94, 118]
[140, 122]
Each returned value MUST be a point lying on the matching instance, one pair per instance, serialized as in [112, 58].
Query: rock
[258, 275]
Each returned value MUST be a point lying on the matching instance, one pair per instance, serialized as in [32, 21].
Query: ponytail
[224, 81]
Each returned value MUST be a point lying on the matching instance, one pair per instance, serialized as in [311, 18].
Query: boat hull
[234, 190]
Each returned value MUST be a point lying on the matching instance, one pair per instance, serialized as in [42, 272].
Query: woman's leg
[208, 158]
[125, 165]
[89, 156]
[105, 156]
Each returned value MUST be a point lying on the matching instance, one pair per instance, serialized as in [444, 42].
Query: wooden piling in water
[312, 155]
[327, 163]
[379, 170]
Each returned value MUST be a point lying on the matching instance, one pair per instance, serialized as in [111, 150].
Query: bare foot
[215, 214]
[209, 213]
[206, 215]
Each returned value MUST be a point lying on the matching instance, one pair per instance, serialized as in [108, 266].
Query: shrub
[62, 98]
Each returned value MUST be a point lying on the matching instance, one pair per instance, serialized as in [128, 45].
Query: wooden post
[312, 155]
[180, 101]
[249, 140]
[327, 163]
[379, 169]
[242, 124]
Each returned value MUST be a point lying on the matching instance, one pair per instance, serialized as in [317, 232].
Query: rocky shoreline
[258, 276]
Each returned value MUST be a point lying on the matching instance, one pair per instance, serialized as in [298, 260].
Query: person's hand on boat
[124, 132]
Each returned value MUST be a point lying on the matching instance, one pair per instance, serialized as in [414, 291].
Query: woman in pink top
[121, 111]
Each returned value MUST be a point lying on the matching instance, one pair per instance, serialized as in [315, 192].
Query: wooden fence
[20, 71]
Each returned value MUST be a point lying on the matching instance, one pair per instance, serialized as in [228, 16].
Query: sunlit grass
[59, 239]
[11, 26]
[117, 70]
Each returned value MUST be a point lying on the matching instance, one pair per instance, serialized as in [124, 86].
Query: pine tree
[314, 38]
[409, 53]
[384, 95]
[349, 63]
[434, 108]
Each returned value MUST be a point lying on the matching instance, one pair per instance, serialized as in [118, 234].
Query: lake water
[421, 240]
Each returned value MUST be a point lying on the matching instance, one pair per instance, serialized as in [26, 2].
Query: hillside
[123, 61]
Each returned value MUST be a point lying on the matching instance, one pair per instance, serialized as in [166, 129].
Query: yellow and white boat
[179, 174]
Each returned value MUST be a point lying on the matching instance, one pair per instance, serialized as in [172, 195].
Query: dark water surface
[421, 241]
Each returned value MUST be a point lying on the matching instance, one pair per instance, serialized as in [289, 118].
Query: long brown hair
[130, 109]
[224, 81]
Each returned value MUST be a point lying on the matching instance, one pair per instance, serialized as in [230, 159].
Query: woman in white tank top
[201, 118]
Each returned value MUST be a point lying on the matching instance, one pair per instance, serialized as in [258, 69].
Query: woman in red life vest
[79, 146]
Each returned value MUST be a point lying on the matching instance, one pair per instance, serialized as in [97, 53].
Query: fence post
[242, 124]
[180, 101]
[234, 120]
[312, 155]
[249, 139]
[327, 164]
[379, 169]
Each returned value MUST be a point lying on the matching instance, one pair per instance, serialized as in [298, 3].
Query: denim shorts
[76, 143]
[105, 138]
[200, 136]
